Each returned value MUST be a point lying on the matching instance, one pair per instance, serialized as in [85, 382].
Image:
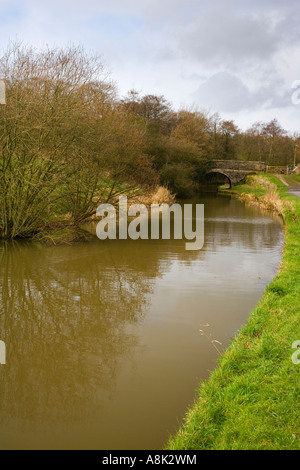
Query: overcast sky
[236, 57]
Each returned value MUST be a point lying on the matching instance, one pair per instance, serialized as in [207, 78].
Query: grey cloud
[223, 92]
[227, 93]
[170, 46]
[224, 37]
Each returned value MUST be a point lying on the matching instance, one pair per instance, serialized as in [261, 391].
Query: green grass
[297, 178]
[252, 400]
[292, 180]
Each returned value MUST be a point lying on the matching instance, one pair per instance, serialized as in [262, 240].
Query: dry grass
[270, 200]
[260, 183]
[160, 195]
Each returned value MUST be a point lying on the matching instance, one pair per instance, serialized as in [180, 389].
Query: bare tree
[64, 146]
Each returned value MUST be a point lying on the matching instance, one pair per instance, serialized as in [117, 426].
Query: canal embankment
[252, 400]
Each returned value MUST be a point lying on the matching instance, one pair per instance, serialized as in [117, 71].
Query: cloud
[228, 39]
[234, 56]
[223, 92]
[228, 34]
[228, 93]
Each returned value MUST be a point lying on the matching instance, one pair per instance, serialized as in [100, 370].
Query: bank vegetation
[252, 400]
[68, 142]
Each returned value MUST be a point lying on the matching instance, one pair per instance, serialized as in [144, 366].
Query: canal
[104, 342]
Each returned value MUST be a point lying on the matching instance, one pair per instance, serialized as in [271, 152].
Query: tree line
[69, 143]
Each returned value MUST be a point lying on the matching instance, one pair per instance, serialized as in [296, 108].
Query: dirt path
[281, 178]
[294, 190]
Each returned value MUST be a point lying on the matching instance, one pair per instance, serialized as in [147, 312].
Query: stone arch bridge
[232, 171]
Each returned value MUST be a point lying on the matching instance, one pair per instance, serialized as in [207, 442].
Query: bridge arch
[234, 170]
[209, 175]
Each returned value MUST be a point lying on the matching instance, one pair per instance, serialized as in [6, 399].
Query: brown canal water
[103, 343]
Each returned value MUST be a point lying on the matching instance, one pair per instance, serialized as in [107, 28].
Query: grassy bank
[252, 400]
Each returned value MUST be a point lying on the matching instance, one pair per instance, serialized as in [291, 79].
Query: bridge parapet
[237, 165]
[235, 171]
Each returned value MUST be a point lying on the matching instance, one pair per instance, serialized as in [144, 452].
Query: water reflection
[63, 312]
[103, 343]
